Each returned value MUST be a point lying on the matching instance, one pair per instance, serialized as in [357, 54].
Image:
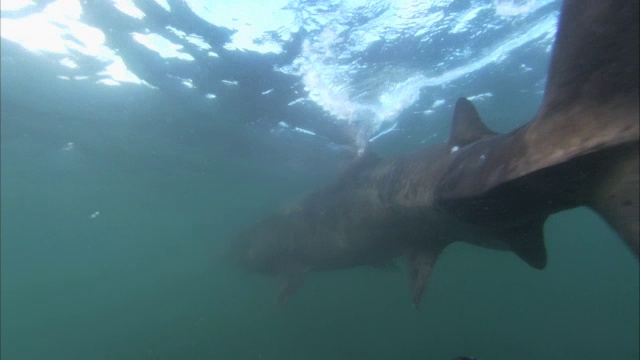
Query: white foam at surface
[57, 29]
[252, 20]
[129, 8]
[162, 46]
[12, 5]
[327, 72]
[164, 4]
[333, 55]
[480, 97]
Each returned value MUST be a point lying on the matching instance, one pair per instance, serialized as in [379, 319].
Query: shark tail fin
[615, 196]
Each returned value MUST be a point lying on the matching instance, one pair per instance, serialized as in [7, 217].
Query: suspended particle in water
[68, 146]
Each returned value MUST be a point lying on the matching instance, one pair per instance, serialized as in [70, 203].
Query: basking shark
[488, 189]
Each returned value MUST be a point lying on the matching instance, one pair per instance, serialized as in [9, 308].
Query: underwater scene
[147, 144]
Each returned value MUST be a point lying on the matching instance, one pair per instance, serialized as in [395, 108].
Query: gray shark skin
[487, 189]
[581, 148]
[377, 210]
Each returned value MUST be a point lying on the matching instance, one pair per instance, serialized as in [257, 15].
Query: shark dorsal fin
[467, 126]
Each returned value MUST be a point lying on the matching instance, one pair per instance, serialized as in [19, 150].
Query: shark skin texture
[488, 189]
[581, 148]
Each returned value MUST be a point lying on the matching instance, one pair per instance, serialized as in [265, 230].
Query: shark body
[491, 190]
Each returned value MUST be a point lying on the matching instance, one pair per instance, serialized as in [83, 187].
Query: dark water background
[147, 277]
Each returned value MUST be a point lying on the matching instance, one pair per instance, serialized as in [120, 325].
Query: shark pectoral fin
[292, 281]
[527, 241]
[421, 263]
[616, 197]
